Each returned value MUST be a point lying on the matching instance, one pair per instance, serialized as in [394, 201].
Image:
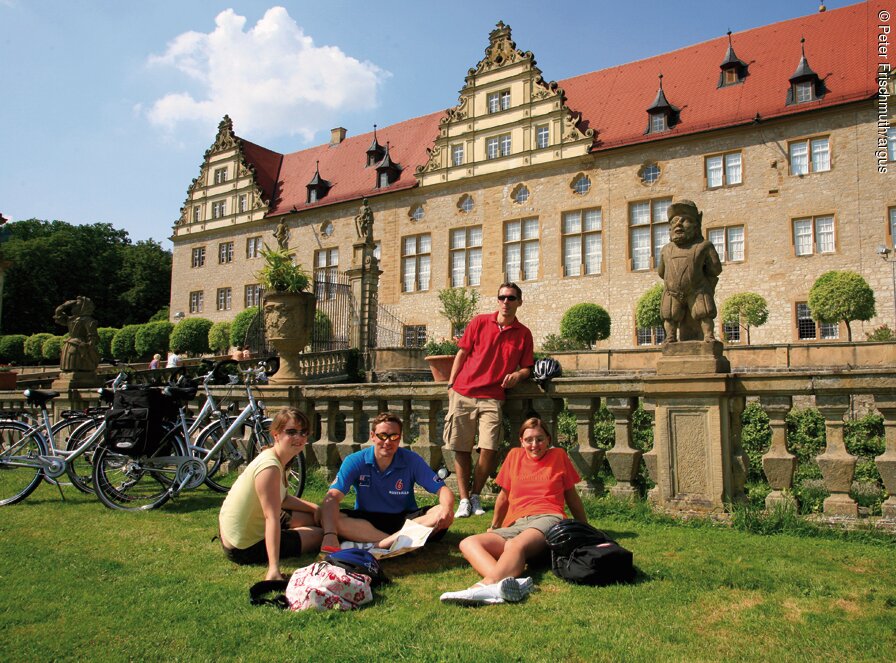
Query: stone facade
[764, 205]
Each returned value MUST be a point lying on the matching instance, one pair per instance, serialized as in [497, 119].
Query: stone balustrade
[342, 412]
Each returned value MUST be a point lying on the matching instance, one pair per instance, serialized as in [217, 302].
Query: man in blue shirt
[383, 477]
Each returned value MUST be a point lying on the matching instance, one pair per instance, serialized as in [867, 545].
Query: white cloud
[271, 79]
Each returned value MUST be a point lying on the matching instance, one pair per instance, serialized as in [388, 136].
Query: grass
[87, 583]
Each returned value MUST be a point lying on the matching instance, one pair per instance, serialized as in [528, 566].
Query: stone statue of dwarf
[690, 267]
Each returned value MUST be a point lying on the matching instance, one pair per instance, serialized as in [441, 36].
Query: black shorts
[391, 522]
[257, 553]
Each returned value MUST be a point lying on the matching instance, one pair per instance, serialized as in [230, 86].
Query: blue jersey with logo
[391, 491]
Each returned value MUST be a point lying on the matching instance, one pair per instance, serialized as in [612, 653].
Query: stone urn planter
[440, 366]
[288, 321]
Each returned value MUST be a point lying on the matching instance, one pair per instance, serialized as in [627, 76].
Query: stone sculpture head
[685, 222]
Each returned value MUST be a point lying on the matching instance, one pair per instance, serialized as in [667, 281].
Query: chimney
[337, 135]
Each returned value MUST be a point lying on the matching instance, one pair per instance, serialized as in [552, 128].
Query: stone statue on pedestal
[79, 352]
[282, 234]
[690, 267]
[364, 224]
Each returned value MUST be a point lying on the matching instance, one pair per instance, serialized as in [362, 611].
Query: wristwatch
[450, 384]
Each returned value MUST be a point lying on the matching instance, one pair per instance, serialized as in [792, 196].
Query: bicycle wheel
[226, 464]
[19, 472]
[295, 470]
[62, 430]
[80, 469]
[138, 484]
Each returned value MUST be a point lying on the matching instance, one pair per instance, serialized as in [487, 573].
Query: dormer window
[498, 101]
[662, 115]
[317, 187]
[387, 172]
[375, 152]
[805, 84]
[734, 70]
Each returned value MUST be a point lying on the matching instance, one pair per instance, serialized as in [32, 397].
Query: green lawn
[88, 583]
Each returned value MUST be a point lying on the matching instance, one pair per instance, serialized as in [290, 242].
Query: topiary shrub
[190, 336]
[12, 349]
[34, 347]
[586, 323]
[106, 335]
[219, 338]
[152, 338]
[52, 348]
[756, 437]
[123, 343]
[240, 325]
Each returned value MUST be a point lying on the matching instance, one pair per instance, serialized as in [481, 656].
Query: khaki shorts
[466, 417]
[542, 523]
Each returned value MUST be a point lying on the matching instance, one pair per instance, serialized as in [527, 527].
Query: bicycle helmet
[546, 370]
[567, 535]
[358, 561]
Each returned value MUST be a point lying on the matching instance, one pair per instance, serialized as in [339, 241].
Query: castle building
[780, 134]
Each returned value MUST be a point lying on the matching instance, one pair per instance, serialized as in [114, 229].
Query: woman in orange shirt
[535, 479]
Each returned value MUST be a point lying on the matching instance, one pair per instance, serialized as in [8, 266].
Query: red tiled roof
[841, 47]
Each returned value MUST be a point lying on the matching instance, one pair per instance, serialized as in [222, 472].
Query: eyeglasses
[509, 298]
[295, 432]
[392, 437]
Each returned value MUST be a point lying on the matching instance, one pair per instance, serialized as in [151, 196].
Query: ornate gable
[236, 186]
[507, 117]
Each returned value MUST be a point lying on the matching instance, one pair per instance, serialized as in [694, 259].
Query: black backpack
[584, 555]
[136, 423]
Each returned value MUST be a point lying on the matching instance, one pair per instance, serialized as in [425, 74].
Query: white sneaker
[463, 510]
[526, 584]
[478, 594]
[476, 505]
[510, 590]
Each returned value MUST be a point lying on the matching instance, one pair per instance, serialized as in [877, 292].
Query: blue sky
[108, 105]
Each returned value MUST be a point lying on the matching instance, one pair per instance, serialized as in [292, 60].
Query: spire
[387, 171]
[318, 186]
[660, 103]
[663, 115]
[375, 151]
[734, 70]
[803, 70]
[805, 84]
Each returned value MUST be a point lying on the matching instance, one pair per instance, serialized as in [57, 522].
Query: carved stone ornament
[225, 140]
[501, 50]
[543, 90]
[364, 223]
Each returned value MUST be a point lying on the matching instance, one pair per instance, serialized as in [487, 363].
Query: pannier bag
[135, 423]
[319, 586]
[584, 555]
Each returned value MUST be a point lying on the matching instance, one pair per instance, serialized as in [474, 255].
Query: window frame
[197, 257]
[652, 226]
[726, 247]
[219, 209]
[582, 233]
[196, 301]
[814, 241]
[225, 252]
[468, 248]
[659, 122]
[224, 299]
[326, 272]
[542, 136]
[252, 294]
[413, 336]
[810, 154]
[891, 144]
[197, 213]
[891, 226]
[523, 242]
[219, 175]
[254, 245]
[457, 154]
[495, 102]
[242, 203]
[823, 331]
[418, 257]
[724, 171]
[466, 204]
[657, 336]
[581, 177]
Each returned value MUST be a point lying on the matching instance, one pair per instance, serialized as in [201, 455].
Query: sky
[108, 106]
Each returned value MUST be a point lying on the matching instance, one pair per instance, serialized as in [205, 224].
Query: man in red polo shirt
[495, 355]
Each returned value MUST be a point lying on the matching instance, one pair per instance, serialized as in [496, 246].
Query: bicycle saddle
[39, 396]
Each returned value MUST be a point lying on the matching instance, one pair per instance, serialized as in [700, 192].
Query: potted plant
[458, 307]
[287, 309]
[440, 357]
[8, 378]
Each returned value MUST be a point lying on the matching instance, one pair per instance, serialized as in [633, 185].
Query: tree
[123, 343]
[152, 338]
[52, 349]
[458, 307]
[106, 335]
[239, 328]
[12, 349]
[746, 309]
[146, 269]
[219, 337]
[647, 312]
[34, 347]
[586, 323]
[841, 296]
[191, 336]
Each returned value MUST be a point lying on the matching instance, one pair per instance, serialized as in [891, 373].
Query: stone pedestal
[886, 462]
[837, 465]
[69, 380]
[778, 464]
[695, 446]
[624, 459]
[288, 317]
[692, 357]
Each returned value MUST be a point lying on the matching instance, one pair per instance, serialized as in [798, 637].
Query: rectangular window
[224, 299]
[465, 252]
[198, 259]
[498, 101]
[497, 146]
[648, 233]
[197, 214]
[891, 240]
[542, 136]
[220, 175]
[196, 298]
[803, 91]
[326, 269]
[253, 295]
[219, 209]
[582, 246]
[457, 155]
[812, 155]
[808, 330]
[729, 242]
[814, 235]
[414, 336]
[650, 335]
[254, 246]
[225, 252]
[521, 250]
[505, 145]
[891, 144]
[658, 122]
[415, 262]
[243, 202]
[731, 332]
[723, 170]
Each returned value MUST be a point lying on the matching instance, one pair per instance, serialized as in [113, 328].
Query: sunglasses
[509, 298]
[295, 432]
[392, 437]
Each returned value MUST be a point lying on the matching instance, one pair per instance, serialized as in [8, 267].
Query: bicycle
[143, 481]
[28, 451]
